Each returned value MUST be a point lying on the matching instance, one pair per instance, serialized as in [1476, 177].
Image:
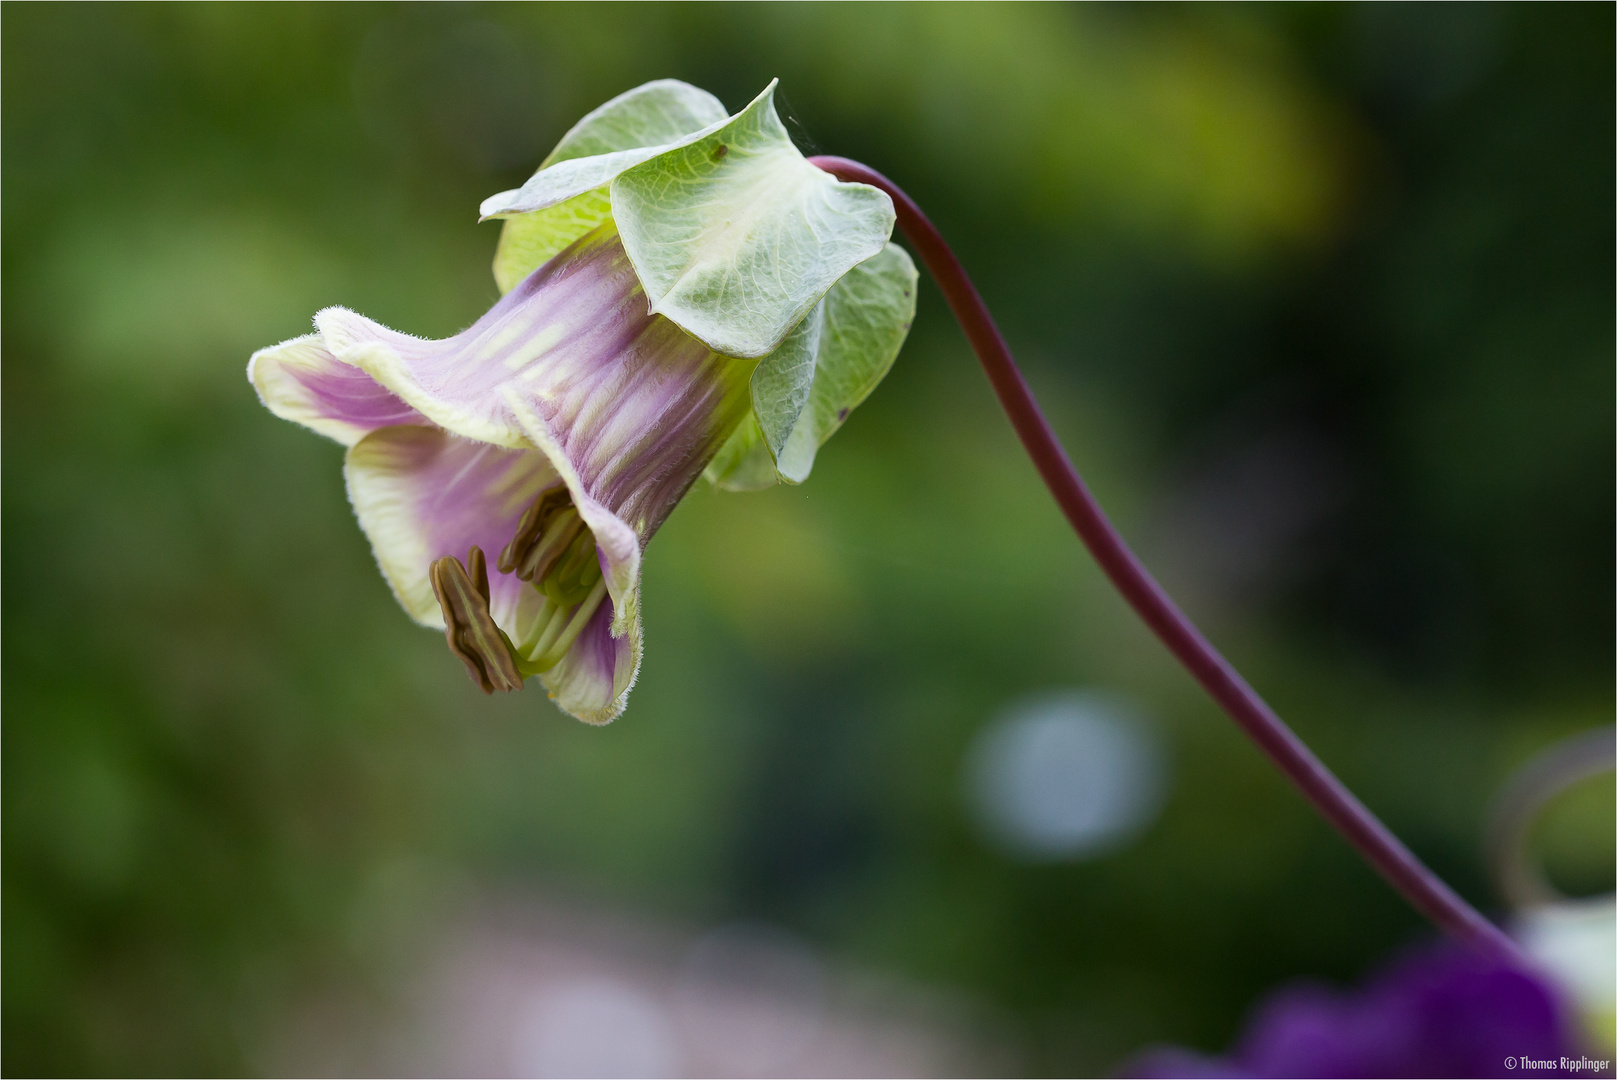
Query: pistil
[573, 575]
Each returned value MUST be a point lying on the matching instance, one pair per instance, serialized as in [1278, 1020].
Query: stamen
[532, 528]
[463, 594]
[547, 627]
[555, 550]
[548, 654]
[563, 529]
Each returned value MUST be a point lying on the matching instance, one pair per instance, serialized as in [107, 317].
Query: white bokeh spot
[1067, 775]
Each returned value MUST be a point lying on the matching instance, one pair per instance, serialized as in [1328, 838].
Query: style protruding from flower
[684, 295]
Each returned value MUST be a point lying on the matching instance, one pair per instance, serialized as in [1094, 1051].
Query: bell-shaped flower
[684, 293]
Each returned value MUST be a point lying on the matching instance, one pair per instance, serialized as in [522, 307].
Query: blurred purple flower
[1441, 1012]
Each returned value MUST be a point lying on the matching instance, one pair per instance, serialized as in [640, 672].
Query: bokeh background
[1320, 298]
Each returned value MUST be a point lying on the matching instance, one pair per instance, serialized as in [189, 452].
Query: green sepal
[656, 114]
[528, 241]
[744, 462]
[736, 236]
[851, 339]
[653, 114]
[783, 380]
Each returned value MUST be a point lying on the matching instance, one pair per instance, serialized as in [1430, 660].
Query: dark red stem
[1384, 851]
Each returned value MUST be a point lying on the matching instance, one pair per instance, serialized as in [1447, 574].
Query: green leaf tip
[656, 113]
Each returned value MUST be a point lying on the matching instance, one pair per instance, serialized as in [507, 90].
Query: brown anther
[519, 556]
[477, 571]
[482, 646]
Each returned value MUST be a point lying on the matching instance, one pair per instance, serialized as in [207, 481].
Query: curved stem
[1429, 894]
[1519, 878]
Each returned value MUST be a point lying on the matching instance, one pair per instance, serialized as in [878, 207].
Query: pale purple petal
[421, 494]
[568, 378]
[300, 380]
[629, 408]
[593, 680]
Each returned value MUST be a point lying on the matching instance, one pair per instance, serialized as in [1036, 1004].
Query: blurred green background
[1320, 298]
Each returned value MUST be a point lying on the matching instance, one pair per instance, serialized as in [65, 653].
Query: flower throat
[554, 551]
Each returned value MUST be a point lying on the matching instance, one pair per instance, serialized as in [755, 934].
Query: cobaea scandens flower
[684, 293]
